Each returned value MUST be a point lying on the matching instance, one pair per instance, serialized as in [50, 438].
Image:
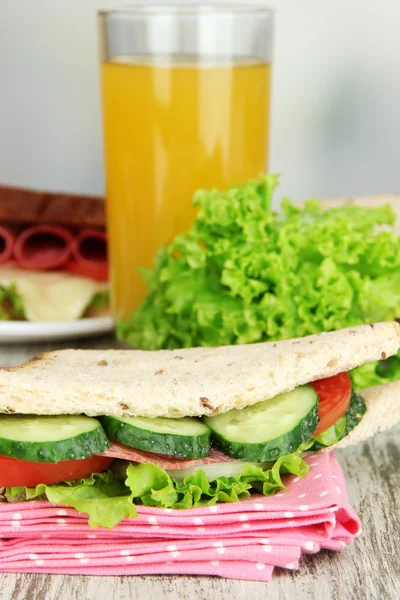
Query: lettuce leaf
[103, 497]
[152, 486]
[11, 304]
[244, 273]
[107, 499]
[376, 373]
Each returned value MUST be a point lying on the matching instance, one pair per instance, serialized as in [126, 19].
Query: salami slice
[7, 242]
[123, 452]
[89, 251]
[43, 247]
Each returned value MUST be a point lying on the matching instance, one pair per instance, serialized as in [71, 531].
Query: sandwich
[53, 256]
[105, 430]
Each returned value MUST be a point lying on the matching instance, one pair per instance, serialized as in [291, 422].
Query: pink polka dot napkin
[243, 540]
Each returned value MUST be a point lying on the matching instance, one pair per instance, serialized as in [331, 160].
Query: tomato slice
[26, 473]
[334, 398]
[98, 272]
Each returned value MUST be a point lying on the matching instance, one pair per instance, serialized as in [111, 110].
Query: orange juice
[170, 129]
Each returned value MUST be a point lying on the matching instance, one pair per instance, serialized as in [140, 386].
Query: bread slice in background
[188, 382]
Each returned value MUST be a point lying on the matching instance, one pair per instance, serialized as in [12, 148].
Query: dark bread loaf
[20, 205]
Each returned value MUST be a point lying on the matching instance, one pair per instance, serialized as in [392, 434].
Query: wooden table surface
[367, 570]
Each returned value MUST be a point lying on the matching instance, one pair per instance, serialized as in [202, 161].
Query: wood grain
[367, 570]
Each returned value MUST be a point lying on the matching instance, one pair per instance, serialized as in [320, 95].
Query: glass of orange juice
[186, 95]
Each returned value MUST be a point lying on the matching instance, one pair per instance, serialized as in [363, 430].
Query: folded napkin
[243, 540]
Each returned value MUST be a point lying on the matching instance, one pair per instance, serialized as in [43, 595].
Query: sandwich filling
[105, 466]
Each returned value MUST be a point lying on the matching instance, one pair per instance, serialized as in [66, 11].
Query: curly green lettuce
[244, 273]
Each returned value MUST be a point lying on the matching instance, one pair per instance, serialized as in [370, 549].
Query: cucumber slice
[183, 438]
[268, 429]
[51, 438]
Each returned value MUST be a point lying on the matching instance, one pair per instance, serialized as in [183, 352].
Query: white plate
[29, 331]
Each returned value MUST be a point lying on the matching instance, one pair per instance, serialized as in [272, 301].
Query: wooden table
[367, 570]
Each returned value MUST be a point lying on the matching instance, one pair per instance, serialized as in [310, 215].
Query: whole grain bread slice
[187, 382]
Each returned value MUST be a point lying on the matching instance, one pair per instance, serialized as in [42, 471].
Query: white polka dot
[130, 558]
[243, 517]
[215, 563]
[220, 547]
[168, 510]
[45, 536]
[296, 479]
[258, 506]
[333, 509]
[289, 566]
[314, 464]
[280, 494]
[15, 523]
[39, 563]
[84, 561]
[213, 508]
[303, 507]
[91, 536]
[200, 529]
[318, 476]
[198, 521]
[335, 477]
[33, 556]
[245, 526]
[309, 545]
[79, 555]
[267, 548]
[324, 493]
[173, 550]
[152, 520]
[62, 512]
[288, 514]
[302, 495]
[342, 543]
[17, 516]
[260, 566]
[265, 541]
[61, 521]
[291, 523]
[125, 552]
[339, 491]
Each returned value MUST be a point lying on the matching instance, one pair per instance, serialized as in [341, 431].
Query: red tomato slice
[98, 272]
[334, 399]
[26, 473]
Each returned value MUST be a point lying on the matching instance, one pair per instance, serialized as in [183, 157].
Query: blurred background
[335, 97]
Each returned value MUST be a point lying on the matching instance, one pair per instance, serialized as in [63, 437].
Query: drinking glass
[186, 96]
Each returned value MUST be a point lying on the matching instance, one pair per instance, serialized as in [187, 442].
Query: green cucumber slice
[184, 438]
[51, 438]
[269, 429]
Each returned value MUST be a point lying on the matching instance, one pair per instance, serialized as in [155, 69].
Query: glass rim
[187, 9]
